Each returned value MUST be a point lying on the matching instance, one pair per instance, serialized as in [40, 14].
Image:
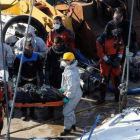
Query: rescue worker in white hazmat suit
[70, 86]
[38, 44]
[11, 41]
[8, 56]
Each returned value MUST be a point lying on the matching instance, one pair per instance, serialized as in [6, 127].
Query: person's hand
[116, 63]
[108, 62]
[61, 90]
[64, 93]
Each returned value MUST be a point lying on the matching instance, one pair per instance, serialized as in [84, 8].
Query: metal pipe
[127, 47]
[4, 67]
[20, 66]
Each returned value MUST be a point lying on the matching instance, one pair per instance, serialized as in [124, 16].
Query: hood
[11, 39]
[31, 31]
[72, 65]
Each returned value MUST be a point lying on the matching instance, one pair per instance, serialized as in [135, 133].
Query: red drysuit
[67, 35]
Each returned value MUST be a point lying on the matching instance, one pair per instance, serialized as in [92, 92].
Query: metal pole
[124, 86]
[127, 47]
[20, 66]
[4, 67]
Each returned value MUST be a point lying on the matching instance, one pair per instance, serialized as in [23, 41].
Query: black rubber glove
[116, 63]
[109, 62]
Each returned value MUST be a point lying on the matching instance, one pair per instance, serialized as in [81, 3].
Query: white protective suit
[37, 43]
[11, 40]
[71, 85]
[8, 55]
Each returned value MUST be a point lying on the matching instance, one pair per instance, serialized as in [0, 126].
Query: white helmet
[2, 75]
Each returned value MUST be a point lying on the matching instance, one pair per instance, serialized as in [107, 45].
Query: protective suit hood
[72, 65]
[11, 39]
[31, 31]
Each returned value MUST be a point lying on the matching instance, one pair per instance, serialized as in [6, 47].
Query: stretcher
[56, 103]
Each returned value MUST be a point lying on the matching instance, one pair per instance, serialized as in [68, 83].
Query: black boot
[48, 117]
[102, 91]
[24, 116]
[73, 128]
[116, 98]
[100, 101]
[32, 114]
[65, 132]
[1, 126]
[50, 114]
[117, 91]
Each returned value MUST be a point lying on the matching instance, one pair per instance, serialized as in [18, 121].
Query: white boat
[124, 126]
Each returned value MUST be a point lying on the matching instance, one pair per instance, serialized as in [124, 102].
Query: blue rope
[83, 133]
[97, 119]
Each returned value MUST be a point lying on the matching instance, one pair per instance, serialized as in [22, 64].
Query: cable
[20, 66]
[4, 66]
[96, 121]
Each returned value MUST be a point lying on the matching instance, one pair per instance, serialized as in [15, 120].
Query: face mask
[63, 64]
[29, 38]
[56, 26]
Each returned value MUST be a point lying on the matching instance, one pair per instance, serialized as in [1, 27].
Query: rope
[20, 66]
[83, 133]
[124, 88]
[97, 119]
[4, 67]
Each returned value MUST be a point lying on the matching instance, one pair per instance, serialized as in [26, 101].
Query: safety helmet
[2, 76]
[68, 56]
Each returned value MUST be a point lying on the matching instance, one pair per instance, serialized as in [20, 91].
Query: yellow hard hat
[68, 56]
